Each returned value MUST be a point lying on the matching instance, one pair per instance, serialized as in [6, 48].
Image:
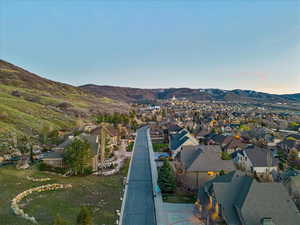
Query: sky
[233, 44]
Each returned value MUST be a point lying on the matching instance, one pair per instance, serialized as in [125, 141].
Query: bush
[130, 147]
[225, 156]
[59, 221]
[85, 216]
[3, 115]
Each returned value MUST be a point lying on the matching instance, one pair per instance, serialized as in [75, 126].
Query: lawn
[160, 147]
[101, 194]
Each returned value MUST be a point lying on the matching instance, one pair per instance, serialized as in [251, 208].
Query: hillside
[125, 94]
[138, 95]
[28, 102]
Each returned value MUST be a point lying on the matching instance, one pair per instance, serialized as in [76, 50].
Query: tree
[293, 158]
[44, 134]
[225, 156]
[85, 216]
[78, 156]
[222, 173]
[282, 159]
[59, 221]
[166, 178]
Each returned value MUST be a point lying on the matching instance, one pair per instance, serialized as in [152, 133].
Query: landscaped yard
[101, 194]
[160, 147]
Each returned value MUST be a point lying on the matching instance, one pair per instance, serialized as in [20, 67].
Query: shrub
[84, 217]
[225, 156]
[44, 167]
[59, 221]
[130, 147]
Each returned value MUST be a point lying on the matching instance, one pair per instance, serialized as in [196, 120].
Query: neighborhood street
[139, 205]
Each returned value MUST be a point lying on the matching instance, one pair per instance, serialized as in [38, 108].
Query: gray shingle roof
[202, 194]
[226, 194]
[269, 200]
[52, 155]
[178, 139]
[259, 156]
[246, 201]
[205, 158]
[91, 139]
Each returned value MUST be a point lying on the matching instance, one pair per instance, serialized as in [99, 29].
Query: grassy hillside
[28, 102]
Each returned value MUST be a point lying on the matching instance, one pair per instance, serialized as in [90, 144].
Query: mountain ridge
[132, 95]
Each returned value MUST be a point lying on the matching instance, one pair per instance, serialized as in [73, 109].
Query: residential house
[237, 199]
[232, 144]
[289, 143]
[228, 144]
[179, 140]
[112, 135]
[198, 164]
[55, 158]
[256, 160]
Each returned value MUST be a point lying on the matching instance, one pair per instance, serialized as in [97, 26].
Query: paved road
[139, 204]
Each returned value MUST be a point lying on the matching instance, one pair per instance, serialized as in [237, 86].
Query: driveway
[180, 214]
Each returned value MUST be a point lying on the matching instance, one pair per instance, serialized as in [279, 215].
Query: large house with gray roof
[237, 199]
[198, 164]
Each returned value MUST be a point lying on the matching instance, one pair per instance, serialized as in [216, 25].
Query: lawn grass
[160, 147]
[101, 194]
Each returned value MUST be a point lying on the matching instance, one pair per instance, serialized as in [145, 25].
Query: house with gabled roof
[256, 160]
[179, 140]
[55, 158]
[237, 199]
[198, 164]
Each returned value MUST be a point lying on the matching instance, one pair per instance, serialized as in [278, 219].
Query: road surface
[139, 206]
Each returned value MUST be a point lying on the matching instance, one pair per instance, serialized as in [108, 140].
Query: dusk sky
[234, 44]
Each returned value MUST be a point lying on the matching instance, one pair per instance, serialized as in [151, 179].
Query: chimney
[267, 221]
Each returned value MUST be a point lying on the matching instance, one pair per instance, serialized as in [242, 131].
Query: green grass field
[101, 194]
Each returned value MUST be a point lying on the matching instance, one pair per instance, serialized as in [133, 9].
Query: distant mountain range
[132, 95]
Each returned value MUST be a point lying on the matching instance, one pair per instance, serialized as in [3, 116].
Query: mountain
[28, 102]
[132, 95]
[125, 94]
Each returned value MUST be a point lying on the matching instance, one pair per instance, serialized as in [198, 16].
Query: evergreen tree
[166, 178]
[84, 217]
